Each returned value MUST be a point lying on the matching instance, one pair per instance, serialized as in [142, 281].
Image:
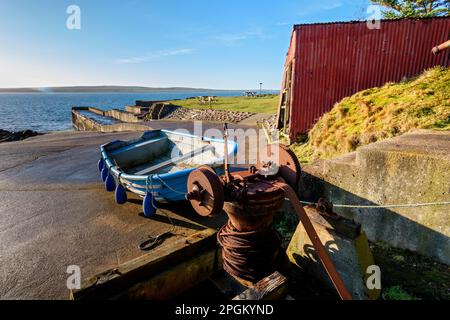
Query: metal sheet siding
[336, 60]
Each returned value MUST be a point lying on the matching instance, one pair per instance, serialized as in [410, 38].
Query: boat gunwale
[170, 175]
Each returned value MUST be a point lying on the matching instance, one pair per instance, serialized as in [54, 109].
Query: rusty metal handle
[443, 46]
[321, 251]
[225, 146]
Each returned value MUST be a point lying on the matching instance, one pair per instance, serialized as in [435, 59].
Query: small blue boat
[156, 166]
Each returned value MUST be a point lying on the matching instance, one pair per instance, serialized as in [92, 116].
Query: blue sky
[194, 43]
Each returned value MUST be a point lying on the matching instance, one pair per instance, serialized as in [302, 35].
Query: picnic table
[250, 94]
[207, 99]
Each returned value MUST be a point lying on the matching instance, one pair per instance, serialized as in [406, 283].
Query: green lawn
[264, 104]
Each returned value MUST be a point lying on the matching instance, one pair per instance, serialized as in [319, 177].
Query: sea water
[44, 112]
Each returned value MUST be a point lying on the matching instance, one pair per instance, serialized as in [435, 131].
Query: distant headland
[75, 89]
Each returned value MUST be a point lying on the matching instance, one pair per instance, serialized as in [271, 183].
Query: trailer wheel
[205, 191]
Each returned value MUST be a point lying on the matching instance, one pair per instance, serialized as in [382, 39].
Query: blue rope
[172, 229]
[151, 190]
[169, 187]
[387, 206]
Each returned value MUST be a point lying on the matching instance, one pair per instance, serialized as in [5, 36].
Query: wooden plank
[174, 280]
[273, 287]
[176, 160]
[342, 226]
[114, 282]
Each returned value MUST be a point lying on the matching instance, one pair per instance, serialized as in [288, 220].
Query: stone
[350, 253]
[6, 136]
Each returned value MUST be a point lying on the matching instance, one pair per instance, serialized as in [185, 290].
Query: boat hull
[164, 187]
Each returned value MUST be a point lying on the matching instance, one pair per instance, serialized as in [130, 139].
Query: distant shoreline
[44, 112]
[115, 89]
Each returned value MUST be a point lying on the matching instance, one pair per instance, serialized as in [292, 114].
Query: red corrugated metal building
[329, 61]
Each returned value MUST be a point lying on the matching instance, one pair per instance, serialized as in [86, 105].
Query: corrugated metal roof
[365, 21]
[336, 60]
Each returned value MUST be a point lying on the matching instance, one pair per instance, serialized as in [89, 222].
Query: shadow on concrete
[184, 210]
[379, 224]
[161, 217]
[308, 279]
[304, 286]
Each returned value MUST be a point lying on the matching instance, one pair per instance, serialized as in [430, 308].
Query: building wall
[336, 60]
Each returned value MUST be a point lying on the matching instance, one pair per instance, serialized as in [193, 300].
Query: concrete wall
[347, 247]
[413, 168]
[122, 116]
[147, 103]
[155, 111]
[95, 110]
[82, 123]
[136, 109]
[132, 114]
[113, 113]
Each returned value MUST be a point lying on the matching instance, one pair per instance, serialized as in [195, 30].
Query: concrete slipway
[54, 212]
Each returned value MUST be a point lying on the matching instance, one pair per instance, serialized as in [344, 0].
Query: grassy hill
[379, 113]
[264, 104]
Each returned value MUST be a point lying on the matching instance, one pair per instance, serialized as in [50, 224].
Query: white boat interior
[167, 153]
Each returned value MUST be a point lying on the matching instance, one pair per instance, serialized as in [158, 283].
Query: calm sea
[45, 112]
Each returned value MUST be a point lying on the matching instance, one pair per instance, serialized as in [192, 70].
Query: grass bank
[379, 113]
[410, 276]
[264, 104]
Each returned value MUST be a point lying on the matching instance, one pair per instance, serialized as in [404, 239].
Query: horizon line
[46, 88]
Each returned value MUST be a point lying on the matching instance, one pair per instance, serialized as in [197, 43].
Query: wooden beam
[126, 278]
[174, 280]
[340, 225]
[273, 287]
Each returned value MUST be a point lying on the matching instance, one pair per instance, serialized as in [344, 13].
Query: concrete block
[350, 253]
[413, 168]
[83, 123]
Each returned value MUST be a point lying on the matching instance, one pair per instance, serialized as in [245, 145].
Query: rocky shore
[7, 136]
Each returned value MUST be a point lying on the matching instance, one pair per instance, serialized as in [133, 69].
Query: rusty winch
[251, 197]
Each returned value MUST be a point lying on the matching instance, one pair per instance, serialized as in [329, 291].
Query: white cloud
[155, 55]
[235, 38]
